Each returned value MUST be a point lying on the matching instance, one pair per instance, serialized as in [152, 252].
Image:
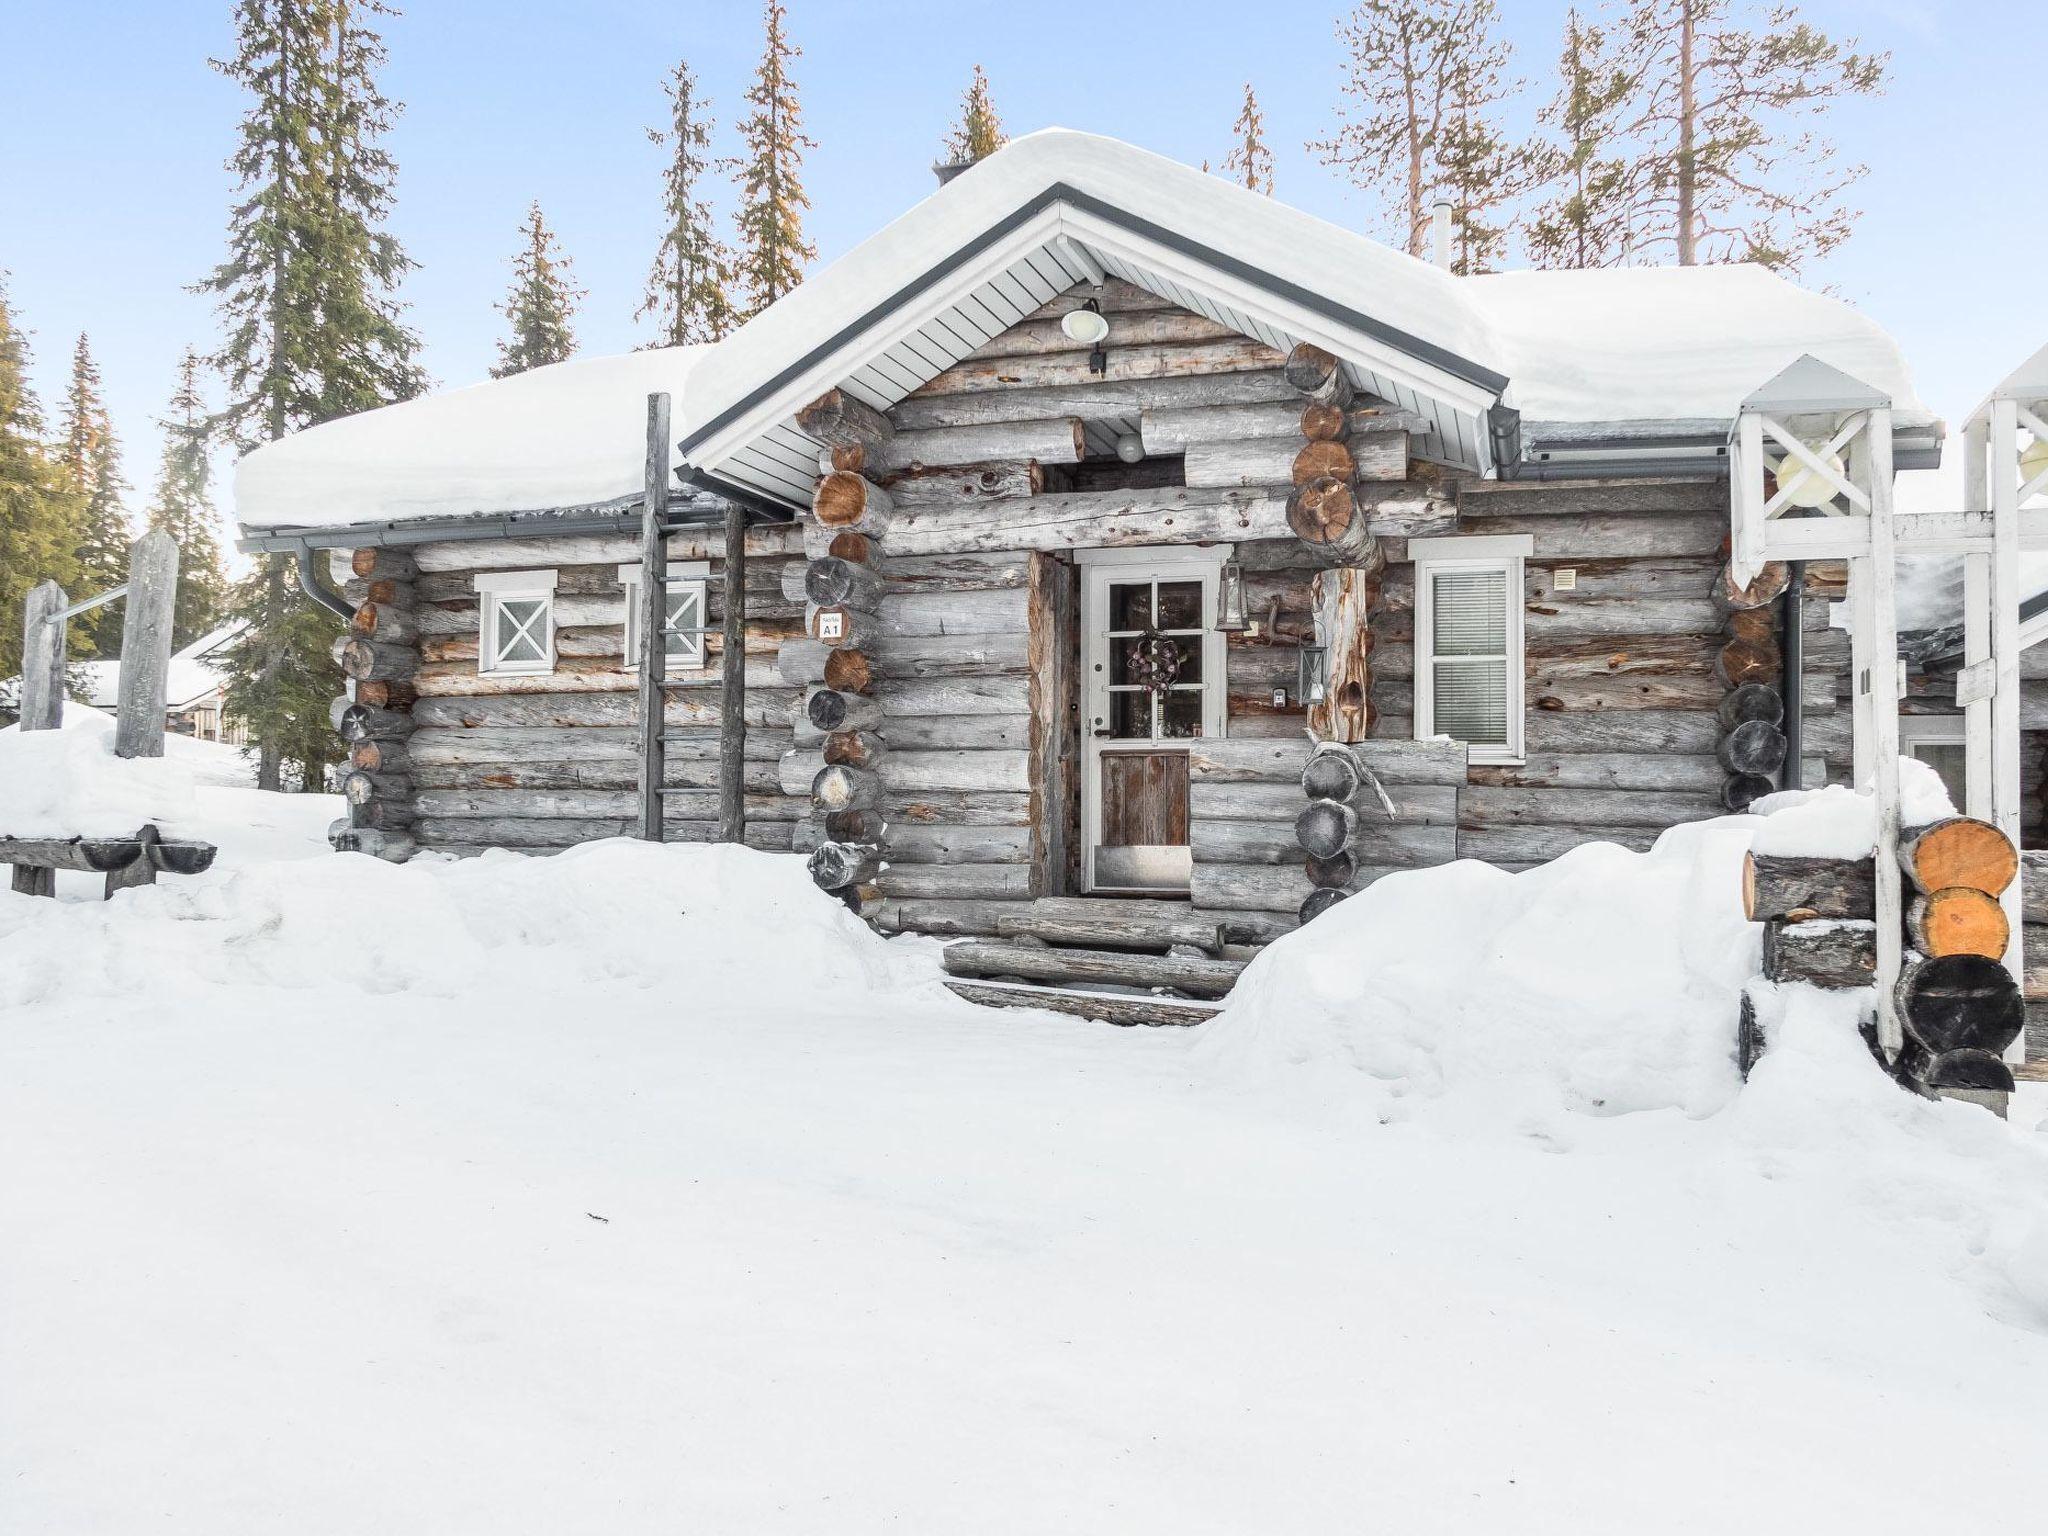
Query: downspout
[1790, 775]
[314, 585]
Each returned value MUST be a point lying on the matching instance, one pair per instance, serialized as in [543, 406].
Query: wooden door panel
[1144, 799]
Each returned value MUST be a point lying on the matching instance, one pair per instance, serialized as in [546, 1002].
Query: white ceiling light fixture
[1085, 325]
[1130, 447]
[1801, 486]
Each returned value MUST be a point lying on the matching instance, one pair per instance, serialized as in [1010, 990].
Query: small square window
[518, 628]
[687, 618]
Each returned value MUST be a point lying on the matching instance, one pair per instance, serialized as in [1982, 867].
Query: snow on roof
[1670, 343]
[194, 673]
[570, 435]
[1627, 345]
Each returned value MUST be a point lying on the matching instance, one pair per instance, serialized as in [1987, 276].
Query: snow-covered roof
[1047, 212]
[570, 435]
[194, 673]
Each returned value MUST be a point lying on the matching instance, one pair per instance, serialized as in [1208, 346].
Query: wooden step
[1103, 1007]
[1038, 962]
[1112, 929]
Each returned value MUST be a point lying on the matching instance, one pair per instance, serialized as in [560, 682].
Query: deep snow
[644, 1189]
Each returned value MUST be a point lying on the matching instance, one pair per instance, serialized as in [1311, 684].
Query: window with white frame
[1468, 642]
[1941, 742]
[518, 622]
[687, 613]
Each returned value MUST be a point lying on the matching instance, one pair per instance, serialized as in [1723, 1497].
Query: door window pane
[1181, 713]
[1130, 605]
[1130, 714]
[1180, 605]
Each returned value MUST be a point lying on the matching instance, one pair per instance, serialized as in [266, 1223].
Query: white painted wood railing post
[150, 606]
[42, 657]
[2005, 476]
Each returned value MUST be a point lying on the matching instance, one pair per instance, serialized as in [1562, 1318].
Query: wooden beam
[732, 698]
[653, 596]
[150, 606]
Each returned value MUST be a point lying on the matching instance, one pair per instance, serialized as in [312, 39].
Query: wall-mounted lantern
[1230, 619]
[1314, 681]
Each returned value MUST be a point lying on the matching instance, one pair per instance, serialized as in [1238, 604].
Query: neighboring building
[1079, 589]
[194, 694]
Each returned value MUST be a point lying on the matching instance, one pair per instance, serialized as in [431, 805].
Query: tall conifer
[1584, 217]
[182, 507]
[773, 252]
[314, 327]
[689, 289]
[541, 304]
[979, 133]
[37, 514]
[1250, 161]
[91, 461]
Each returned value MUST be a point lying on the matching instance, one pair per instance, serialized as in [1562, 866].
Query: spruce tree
[1584, 216]
[37, 513]
[1250, 161]
[688, 292]
[979, 133]
[314, 327]
[540, 305]
[183, 508]
[1724, 167]
[91, 462]
[772, 202]
[1416, 122]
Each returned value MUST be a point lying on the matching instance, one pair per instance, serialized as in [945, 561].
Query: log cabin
[1024, 566]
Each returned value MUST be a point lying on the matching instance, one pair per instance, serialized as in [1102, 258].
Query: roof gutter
[510, 525]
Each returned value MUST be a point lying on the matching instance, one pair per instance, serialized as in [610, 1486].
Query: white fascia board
[1282, 313]
[860, 350]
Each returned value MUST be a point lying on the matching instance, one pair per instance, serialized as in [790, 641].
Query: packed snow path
[643, 1190]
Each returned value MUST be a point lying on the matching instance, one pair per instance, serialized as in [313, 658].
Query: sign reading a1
[831, 626]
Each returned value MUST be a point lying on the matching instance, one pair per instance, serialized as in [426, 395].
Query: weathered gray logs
[830, 710]
[1964, 1073]
[854, 826]
[1823, 952]
[379, 756]
[1332, 874]
[387, 693]
[1960, 1002]
[384, 621]
[833, 582]
[1325, 827]
[360, 788]
[394, 847]
[1958, 851]
[1317, 375]
[1056, 440]
[386, 815]
[2034, 887]
[838, 788]
[1741, 790]
[1116, 928]
[838, 420]
[1767, 587]
[1319, 901]
[834, 866]
[364, 658]
[1331, 774]
[1958, 921]
[1743, 661]
[392, 564]
[1378, 456]
[92, 855]
[1325, 515]
[1343, 599]
[855, 749]
[1752, 701]
[1775, 885]
[146, 618]
[843, 500]
[1755, 746]
[362, 722]
[1197, 978]
[837, 626]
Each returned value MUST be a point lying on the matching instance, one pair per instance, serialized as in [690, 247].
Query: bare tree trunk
[1688, 108]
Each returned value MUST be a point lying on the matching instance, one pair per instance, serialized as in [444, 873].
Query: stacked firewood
[843, 598]
[1749, 665]
[1959, 1006]
[380, 653]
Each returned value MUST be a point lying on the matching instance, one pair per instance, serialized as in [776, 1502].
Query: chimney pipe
[1440, 233]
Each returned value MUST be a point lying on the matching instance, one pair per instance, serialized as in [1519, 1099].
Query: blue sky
[113, 196]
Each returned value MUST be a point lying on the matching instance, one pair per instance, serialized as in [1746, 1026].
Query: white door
[1152, 668]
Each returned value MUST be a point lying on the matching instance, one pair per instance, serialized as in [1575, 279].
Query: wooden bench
[133, 860]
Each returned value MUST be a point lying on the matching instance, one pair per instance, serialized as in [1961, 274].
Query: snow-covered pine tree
[38, 516]
[773, 253]
[541, 303]
[1724, 168]
[979, 133]
[1250, 161]
[91, 462]
[1415, 121]
[1584, 216]
[688, 290]
[314, 327]
[182, 506]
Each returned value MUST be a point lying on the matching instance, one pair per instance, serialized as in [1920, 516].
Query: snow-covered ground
[643, 1189]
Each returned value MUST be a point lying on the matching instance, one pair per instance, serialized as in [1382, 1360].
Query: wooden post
[152, 603]
[653, 616]
[42, 657]
[2005, 655]
[1880, 684]
[732, 703]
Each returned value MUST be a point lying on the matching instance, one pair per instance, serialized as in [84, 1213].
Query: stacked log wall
[544, 761]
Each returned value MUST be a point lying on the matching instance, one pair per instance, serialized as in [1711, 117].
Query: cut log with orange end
[1958, 921]
[1322, 423]
[1959, 851]
[1767, 586]
[849, 671]
[850, 544]
[845, 500]
[1327, 457]
[1747, 661]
